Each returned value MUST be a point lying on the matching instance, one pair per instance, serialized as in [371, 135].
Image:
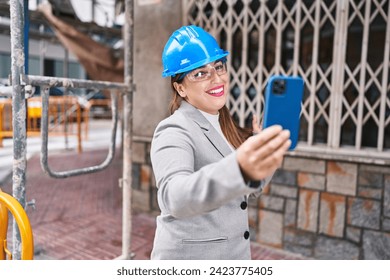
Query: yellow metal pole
[3, 229]
[23, 223]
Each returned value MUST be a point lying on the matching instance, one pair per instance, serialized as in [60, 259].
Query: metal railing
[45, 138]
[20, 89]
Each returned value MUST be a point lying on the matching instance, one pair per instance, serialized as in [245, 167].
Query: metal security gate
[341, 49]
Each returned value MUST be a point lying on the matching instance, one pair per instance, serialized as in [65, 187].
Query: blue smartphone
[283, 97]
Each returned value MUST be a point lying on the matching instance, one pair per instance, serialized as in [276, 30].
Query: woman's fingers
[272, 152]
[262, 154]
[272, 144]
[266, 134]
[255, 127]
[265, 167]
[275, 159]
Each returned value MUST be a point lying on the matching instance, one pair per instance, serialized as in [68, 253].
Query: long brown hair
[235, 134]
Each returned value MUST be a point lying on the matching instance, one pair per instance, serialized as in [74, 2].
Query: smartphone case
[283, 97]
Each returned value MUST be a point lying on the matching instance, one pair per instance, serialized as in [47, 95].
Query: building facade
[331, 197]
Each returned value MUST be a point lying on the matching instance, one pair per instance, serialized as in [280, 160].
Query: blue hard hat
[188, 48]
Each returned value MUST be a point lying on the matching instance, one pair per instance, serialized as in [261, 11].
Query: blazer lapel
[209, 131]
[218, 142]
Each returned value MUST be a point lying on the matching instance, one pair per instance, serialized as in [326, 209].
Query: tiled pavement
[80, 217]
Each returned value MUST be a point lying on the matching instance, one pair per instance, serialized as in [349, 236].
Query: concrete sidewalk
[81, 217]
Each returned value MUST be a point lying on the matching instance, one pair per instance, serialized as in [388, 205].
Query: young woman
[206, 166]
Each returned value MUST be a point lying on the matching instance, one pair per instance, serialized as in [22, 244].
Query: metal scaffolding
[20, 90]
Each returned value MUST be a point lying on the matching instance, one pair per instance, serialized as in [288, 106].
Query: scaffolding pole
[18, 116]
[127, 131]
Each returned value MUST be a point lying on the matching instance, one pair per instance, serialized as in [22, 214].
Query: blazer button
[243, 205]
[246, 235]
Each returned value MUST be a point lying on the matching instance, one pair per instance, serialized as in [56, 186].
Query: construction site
[81, 94]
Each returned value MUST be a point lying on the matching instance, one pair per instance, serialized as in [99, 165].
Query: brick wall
[319, 208]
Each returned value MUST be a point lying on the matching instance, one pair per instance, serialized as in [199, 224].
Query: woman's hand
[255, 127]
[260, 155]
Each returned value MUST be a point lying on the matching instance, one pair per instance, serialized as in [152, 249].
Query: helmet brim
[196, 65]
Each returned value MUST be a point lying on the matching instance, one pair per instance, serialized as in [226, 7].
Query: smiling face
[205, 88]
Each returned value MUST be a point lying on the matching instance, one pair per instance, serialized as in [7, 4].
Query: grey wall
[153, 25]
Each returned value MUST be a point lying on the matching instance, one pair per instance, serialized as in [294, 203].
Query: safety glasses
[205, 72]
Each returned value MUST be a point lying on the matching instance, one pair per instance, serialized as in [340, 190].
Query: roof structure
[63, 10]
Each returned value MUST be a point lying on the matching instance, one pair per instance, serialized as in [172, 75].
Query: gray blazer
[201, 192]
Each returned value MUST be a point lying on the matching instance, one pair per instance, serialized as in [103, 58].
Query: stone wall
[326, 209]
[322, 209]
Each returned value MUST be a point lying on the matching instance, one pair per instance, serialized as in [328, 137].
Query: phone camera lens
[279, 86]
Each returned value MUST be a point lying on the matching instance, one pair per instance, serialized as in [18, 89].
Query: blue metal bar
[26, 35]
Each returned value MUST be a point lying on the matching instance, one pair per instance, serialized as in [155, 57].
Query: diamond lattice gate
[340, 48]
